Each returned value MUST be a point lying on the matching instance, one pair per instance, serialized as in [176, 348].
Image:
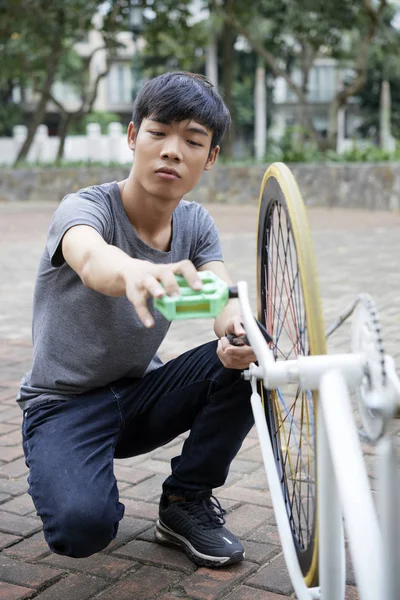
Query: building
[114, 90]
[325, 80]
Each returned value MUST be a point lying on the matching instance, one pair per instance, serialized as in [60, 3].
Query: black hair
[178, 96]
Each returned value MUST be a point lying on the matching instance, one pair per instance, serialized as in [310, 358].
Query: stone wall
[370, 186]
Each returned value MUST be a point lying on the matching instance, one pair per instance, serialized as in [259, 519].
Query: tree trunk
[361, 62]
[331, 140]
[40, 111]
[228, 39]
[65, 123]
[260, 110]
[212, 60]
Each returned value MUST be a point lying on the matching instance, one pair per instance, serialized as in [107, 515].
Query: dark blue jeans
[70, 445]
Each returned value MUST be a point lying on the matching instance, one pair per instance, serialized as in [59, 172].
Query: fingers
[139, 300]
[166, 275]
[188, 270]
[154, 280]
[235, 357]
[235, 326]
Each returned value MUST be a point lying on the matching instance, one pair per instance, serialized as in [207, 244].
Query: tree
[75, 70]
[383, 65]
[174, 39]
[35, 37]
[294, 32]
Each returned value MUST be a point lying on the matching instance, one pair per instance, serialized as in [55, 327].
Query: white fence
[93, 146]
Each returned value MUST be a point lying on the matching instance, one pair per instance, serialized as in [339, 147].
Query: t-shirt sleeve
[75, 210]
[208, 245]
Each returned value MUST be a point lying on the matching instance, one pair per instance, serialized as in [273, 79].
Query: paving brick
[130, 475]
[127, 530]
[26, 575]
[209, 584]
[248, 517]
[19, 525]
[243, 466]
[148, 535]
[14, 487]
[266, 534]
[12, 415]
[101, 565]
[144, 584]
[5, 392]
[155, 554]
[12, 438]
[73, 587]
[6, 428]
[13, 592]
[166, 453]
[15, 420]
[274, 578]
[256, 480]
[16, 468]
[133, 461]
[260, 553]
[252, 455]
[140, 509]
[30, 549]
[10, 453]
[147, 490]
[20, 505]
[248, 593]
[242, 494]
[6, 539]
[249, 442]
[157, 466]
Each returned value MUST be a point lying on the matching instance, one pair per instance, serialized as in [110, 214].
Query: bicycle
[304, 418]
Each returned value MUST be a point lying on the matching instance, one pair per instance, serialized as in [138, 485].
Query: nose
[171, 149]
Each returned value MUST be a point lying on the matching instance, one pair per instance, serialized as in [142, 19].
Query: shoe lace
[208, 512]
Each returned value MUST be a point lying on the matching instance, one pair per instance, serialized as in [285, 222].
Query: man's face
[169, 159]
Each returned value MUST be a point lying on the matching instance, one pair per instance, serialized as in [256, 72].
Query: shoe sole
[170, 538]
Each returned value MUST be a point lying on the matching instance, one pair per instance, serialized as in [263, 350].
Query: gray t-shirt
[84, 339]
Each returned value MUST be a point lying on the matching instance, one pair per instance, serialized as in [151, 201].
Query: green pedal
[191, 304]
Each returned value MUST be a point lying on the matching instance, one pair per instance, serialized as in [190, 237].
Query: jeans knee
[80, 532]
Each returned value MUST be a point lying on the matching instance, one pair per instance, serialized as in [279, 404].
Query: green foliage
[173, 40]
[369, 153]
[10, 115]
[35, 37]
[383, 64]
[295, 149]
[101, 117]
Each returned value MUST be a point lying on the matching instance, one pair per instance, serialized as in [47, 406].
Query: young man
[97, 390]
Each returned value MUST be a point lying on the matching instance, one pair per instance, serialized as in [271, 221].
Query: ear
[132, 133]
[212, 158]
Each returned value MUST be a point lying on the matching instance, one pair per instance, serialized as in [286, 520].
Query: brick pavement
[356, 252]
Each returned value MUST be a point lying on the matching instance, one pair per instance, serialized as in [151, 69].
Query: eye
[157, 133]
[193, 143]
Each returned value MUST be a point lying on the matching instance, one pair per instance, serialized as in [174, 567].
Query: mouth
[168, 173]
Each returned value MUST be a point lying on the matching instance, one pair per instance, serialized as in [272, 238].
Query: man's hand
[144, 280]
[109, 270]
[235, 357]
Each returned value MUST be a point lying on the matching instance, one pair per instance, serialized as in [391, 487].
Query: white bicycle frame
[344, 489]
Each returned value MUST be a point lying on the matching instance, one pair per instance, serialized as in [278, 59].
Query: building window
[120, 84]
[322, 83]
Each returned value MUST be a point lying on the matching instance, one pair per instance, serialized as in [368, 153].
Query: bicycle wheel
[289, 307]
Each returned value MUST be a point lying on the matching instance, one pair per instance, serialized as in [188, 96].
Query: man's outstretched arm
[109, 270]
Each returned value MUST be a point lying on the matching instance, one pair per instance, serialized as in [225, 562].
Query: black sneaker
[196, 526]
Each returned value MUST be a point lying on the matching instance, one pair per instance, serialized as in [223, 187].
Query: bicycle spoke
[286, 318]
